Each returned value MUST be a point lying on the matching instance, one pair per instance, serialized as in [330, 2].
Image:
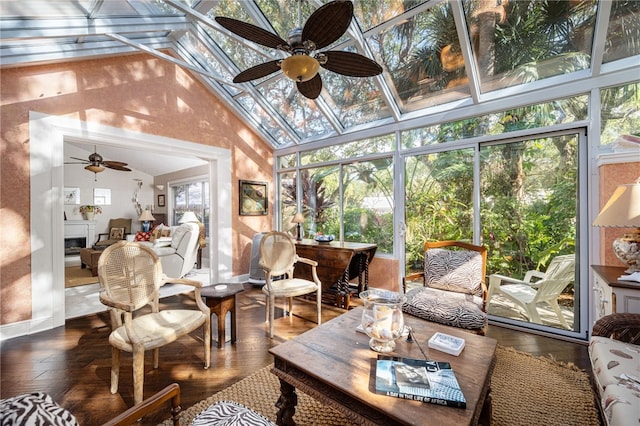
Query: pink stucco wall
[135, 92]
[612, 175]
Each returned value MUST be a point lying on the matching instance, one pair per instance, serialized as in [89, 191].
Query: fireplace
[72, 245]
[77, 234]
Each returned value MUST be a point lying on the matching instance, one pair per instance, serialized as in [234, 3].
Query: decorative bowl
[324, 238]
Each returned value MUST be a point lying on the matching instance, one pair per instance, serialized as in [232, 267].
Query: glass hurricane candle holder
[382, 318]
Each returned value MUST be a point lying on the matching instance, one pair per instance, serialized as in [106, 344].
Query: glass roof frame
[432, 79]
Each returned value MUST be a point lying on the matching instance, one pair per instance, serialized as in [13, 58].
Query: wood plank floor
[72, 363]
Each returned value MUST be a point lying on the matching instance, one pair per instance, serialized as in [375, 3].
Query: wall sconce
[160, 187]
[623, 211]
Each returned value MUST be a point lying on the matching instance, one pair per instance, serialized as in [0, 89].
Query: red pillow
[143, 236]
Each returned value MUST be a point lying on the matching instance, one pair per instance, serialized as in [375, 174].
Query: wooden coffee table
[333, 364]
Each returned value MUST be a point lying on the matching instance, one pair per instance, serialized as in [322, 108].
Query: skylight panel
[300, 113]
[371, 13]
[623, 33]
[519, 42]
[256, 113]
[423, 58]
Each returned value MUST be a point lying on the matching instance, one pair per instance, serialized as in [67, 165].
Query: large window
[194, 197]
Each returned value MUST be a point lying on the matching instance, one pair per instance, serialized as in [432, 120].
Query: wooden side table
[221, 298]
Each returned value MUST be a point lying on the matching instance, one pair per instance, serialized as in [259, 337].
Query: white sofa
[177, 252]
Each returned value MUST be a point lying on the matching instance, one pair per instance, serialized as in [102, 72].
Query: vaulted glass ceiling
[437, 56]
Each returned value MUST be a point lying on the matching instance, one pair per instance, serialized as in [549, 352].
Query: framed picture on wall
[253, 198]
[71, 195]
[161, 200]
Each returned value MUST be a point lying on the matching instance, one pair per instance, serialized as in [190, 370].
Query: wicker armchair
[130, 279]
[623, 326]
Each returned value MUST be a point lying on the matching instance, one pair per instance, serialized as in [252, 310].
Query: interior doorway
[48, 134]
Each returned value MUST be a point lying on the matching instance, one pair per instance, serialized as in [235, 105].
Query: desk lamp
[623, 211]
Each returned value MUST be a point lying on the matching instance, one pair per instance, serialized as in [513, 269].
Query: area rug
[75, 276]
[526, 390]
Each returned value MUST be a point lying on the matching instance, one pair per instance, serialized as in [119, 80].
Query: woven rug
[526, 390]
[75, 276]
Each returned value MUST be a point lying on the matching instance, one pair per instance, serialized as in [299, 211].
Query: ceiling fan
[326, 25]
[96, 164]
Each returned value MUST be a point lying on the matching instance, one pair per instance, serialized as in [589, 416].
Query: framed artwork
[161, 200]
[253, 198]
[71, 195]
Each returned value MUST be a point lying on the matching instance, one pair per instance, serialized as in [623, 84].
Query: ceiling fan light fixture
[300, 67]
[94, 169]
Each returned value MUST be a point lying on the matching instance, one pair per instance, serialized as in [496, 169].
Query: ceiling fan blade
[117, 167]
[252, 33]
[328, 23]
[81, 159]
[258, 71]
[350, 64]
[310, 89]
[114, 163]
[75, 162]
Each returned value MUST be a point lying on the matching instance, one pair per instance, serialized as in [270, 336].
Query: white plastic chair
[547, 289]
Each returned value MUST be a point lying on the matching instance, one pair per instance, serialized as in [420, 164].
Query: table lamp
[298, 219]
[623, 211]
[188, 217]
[146, 218]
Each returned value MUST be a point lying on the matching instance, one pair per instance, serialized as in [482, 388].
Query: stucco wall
[135, 92]
[610, 176]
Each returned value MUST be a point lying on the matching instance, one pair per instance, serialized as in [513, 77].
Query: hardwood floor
[72, 363]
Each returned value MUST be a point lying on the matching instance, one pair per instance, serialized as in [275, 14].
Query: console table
[338, 263]
[612, 294]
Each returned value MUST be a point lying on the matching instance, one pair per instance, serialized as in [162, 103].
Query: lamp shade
[300, 67]
[623, 208]
[146, 216]
[188, 217]
[298, 218]
[94, 169]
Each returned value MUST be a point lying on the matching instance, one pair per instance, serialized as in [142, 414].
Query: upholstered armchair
[118, 231]
[453, 290]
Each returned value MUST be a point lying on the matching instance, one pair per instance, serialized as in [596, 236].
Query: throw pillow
[116, 234]
[143, 236]
[231, 414]
[36, 408]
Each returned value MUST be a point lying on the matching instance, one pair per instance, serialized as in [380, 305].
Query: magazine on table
[427, 381]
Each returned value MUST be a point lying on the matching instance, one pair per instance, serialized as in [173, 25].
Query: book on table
[427, 381]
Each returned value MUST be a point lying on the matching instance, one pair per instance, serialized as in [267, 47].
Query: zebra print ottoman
[230, 413]
[36, 408]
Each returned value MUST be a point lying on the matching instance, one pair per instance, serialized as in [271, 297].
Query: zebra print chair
[453, 290]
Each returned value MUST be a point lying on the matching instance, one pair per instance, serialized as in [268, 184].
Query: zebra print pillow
[230, 413]
[36, 408]
[454, 270]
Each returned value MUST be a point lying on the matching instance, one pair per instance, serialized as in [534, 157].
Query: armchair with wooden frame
[453, 290]
[118, 230]
[130, 279]
[278, 258]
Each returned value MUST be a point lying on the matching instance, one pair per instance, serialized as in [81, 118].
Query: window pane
[540, 115]
[355, 149]
[368, 203]
[288, 207]
[321, 200]
[439, 201]
[529, 215]
[619, 112]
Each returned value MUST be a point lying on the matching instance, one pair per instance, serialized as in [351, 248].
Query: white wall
[122, 186]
